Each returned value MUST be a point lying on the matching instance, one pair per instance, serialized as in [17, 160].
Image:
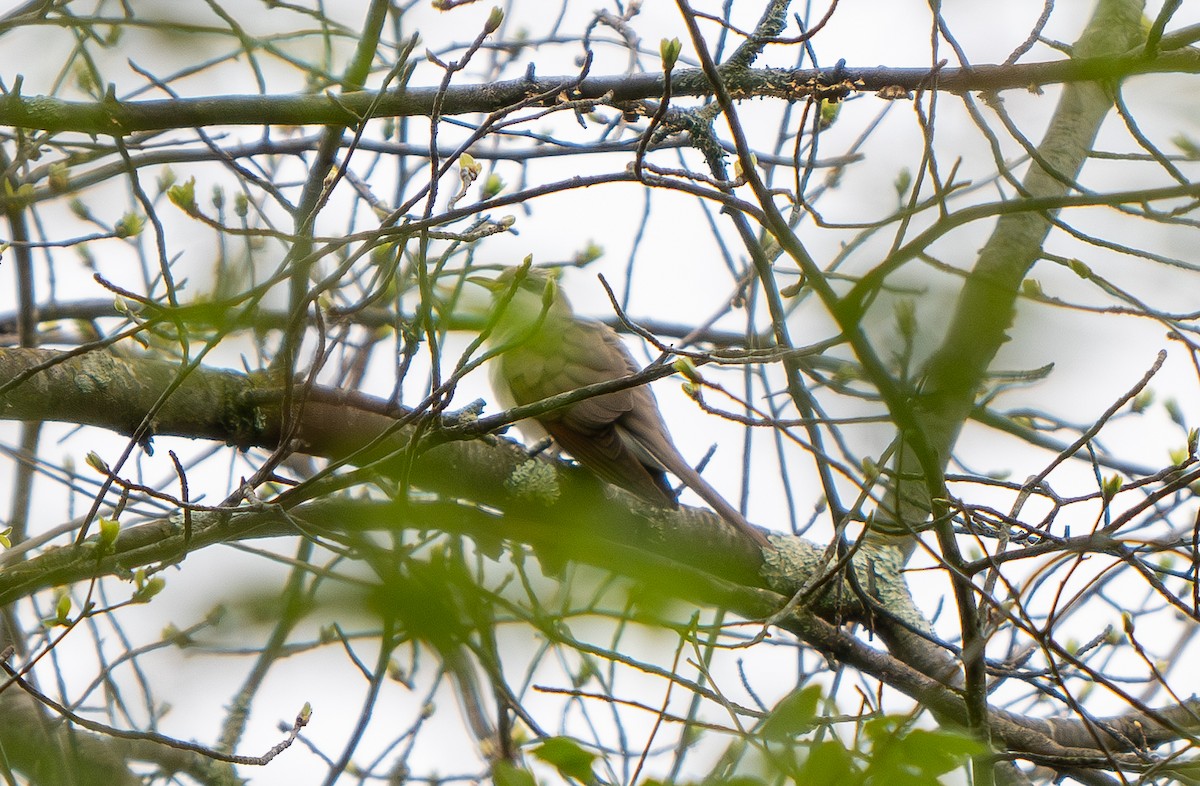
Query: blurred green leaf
[939, 752]
[567, 756]
[829, 764]
[913, 758]
[794, 715]
[183, 196]
[507, 774]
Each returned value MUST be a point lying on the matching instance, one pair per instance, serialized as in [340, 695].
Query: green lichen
[534, 480]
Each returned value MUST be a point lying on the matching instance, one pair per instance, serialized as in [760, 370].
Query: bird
[545, 349]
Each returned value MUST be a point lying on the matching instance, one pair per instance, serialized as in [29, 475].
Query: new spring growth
[19, 196]
[1142, 401]
[95, 462]
[1110, 487]
[109, 530]
[1174, 412]
[495, 18]
[183, 196]
[589, 253]
[739, 173]
[467, 163]
[688, 369]
[906, 318]
[166, 179]
[147, 588]
[1079, 268]
[551, 290]
[130, 225]
[829, 113]
[468, 170]
[669, 51]
[492, 186]
[62, 611]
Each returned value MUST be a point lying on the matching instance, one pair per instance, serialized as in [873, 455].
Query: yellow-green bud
[495, 18]
[669, 50]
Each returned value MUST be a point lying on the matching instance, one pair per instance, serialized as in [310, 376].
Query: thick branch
[116, 393]
[51, 752]
[985, 307]
[124, 117]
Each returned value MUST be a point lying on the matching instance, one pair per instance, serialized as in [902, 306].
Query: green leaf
[1110, 487]
[828, 764]
[687, 368]
[492, 186]
[668, 50]
[80, 209]
[468, 164]
[1142, 401]
[590, 253]
[109, 530]
[495, 18]
[1184, 143]
[916, 757]
[146, 591]
[130, 225]
[507, 774]
[183, 196]
[1175, 412]
[938, 752]
[166, 179]
[793, 715]
[62, 612]
[829, 112]
[567, 756]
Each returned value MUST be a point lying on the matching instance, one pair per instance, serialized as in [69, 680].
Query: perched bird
[620, 436]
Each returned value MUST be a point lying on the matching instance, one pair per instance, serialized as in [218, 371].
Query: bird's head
[524, 295]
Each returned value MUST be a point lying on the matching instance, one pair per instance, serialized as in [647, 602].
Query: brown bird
[620, 436]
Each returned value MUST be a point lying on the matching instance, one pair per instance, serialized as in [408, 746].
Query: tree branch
[112, 116]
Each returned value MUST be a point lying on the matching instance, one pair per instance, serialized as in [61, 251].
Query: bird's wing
[554, 362]
[558, 362]
[619, 436]
[607, 455]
